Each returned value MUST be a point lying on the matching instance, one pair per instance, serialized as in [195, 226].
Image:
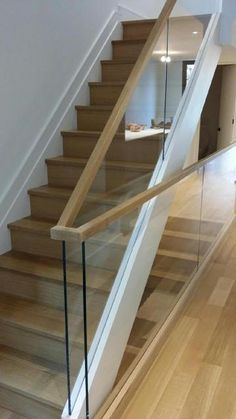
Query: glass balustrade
[196, 213]
[93, 270]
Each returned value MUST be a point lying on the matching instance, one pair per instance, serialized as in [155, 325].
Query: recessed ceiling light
[165, 59]
[195, 32]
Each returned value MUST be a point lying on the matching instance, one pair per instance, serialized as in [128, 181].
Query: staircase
[32, 347]
[32, 354]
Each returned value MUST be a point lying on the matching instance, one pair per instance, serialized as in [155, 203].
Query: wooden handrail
[90, 171]
[99, 223]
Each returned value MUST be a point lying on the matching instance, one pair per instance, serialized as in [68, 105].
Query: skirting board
[114, 404]
[48, 143]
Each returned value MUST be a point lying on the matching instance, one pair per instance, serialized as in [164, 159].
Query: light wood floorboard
[194, 375]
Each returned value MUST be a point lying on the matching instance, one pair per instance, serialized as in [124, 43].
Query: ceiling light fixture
[195, 32]
[165, 59]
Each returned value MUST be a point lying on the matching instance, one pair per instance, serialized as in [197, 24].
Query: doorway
[210, 119]
[227, 131]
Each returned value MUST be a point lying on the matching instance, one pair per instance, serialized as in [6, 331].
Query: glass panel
[175, 263]
[127, 170]
[203, 206]
[218, 207]
[104, 254]
[194, 220]
[134, 152]
[95, 265]
[74, 317]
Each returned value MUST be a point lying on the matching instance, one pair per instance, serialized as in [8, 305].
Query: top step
[137, 29]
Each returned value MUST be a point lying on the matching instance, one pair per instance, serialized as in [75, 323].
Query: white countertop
[129, 135]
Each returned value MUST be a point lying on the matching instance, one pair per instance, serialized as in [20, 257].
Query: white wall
[149, 97]
[194, 7]
[42, 45]
[228, 23]
[144, 103]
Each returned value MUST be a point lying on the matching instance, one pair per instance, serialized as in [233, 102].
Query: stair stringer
[120, 312]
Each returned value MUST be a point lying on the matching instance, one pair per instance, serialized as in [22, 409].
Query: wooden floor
[194, 375]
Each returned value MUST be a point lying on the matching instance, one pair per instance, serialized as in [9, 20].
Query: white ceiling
[184, 44]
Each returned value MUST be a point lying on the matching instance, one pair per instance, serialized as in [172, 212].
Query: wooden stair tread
[104, 198]
[168, 275]
[76, 133]
[175, 265]
[52, 191]
[95, 107]
[129, 41]
[186, 235]
[180, 255]
[30, 379]
[130, 188]
[29, 224]
[51, 269]
[191, 225]
[119, 240]
[64, 193]
[106, 84]
[120, 135]
[42, 227]
[38, 319]
[111, 238]
[182, 243]
[138, 21]
[71, 161]
[116, 61]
